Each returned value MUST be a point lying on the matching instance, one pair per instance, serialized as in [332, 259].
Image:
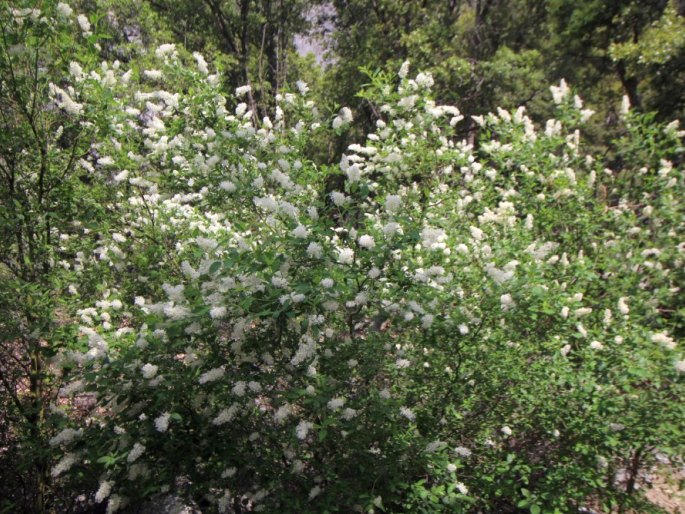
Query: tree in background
[252, 38]
[484, 53]
[657, 56]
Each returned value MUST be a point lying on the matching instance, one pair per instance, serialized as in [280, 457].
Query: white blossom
[339, 199]
[664, 340]
[507, 302]
[201, 63]
[345, 256]
[343, 118]
[314, 250]
[153, 74]
[84, 24]
[65, 101]
[137, 450]
[64, 464]
[217, 312]
[392, 203]
[168, 49]
[407, 413]
[65, 437]
[404, 70]
[103, 491]
[64, 9]
[242, 91]
[302, 87]
[226, 415]
[149, 371]
[462, 451]
[560, 92]
[336, 403]
[623, 306]
[212, 375]
[162, 422]
[300, 232]
[303, 428]
[367, 241]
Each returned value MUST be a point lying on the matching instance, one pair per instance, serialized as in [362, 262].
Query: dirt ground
[667, 491]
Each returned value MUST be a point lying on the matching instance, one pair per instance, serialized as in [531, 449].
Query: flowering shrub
[52, 211]
[457, 328]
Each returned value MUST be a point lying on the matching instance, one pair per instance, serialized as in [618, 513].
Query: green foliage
[488, 54]
[452, 329]
[461, 314]
[45, 195]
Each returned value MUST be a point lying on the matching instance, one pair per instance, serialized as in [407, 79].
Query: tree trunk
[629, 85]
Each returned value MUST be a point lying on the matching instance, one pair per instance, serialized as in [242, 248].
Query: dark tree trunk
[629, 85]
